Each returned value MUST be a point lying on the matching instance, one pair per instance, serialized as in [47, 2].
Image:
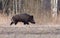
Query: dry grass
[3, 19]
[40, 20]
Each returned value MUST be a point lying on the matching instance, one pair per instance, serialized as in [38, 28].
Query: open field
[50, 30]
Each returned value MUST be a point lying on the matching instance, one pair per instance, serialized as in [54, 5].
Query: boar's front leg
[11, 23]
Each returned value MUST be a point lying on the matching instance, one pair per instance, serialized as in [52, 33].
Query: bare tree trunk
[3, 6]
[19, 5]
[16, 5]
[22, 3]
[54, 7]
[13, 7]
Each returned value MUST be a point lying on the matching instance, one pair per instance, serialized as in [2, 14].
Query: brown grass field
[42, 29]
[5, 20]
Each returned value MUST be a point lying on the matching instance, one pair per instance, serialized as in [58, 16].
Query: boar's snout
[32, 22]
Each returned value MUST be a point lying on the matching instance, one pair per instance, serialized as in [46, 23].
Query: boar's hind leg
[16, 23]
[26, 23]
[11, 23]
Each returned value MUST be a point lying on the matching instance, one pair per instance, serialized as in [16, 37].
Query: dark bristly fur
[25, 18]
